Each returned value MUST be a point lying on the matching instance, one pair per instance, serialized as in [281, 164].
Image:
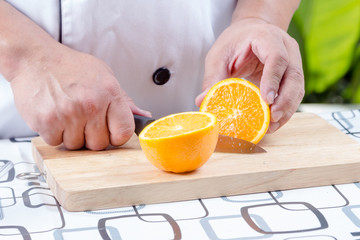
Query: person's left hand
[265, 55]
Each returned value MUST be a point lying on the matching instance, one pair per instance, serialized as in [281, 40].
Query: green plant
[328, 33]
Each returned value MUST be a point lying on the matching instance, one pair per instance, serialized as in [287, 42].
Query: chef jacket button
[161, 76]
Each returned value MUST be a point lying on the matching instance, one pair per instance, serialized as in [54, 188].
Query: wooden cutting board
[306, 152]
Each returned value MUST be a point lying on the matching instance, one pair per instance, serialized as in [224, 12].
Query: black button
[161, 76]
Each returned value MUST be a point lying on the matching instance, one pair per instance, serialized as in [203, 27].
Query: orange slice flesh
[239, 109]
[180, 142]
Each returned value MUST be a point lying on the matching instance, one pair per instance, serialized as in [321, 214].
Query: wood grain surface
[306, 152]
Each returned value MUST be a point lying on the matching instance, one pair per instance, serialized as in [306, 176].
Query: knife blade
[230, 144]
[225, 144]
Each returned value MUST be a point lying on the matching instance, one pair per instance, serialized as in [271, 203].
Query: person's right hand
[73, 98]
[66, 96]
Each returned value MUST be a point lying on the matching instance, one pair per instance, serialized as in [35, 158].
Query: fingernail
[273, 127]
[142, 112]
[276, 116]
[146, 113]
[271, 97]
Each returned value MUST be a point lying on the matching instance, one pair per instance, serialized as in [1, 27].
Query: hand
[265, 55]
[71, 97]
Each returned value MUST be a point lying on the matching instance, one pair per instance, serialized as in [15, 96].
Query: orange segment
[239, 109]
[180, 142]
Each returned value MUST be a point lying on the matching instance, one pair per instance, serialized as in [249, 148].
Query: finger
[273, 54]
[273, 127]
[52, 137]
[73, 134]
[216, 69]
[96, 129]
[48, 127]
[120, 120]
[291, 91]
[136, 110]
[97, 133]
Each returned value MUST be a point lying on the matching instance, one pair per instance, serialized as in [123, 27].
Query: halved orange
[180, 142]
[239, 108]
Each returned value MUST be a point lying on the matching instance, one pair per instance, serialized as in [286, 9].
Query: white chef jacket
[142, 41]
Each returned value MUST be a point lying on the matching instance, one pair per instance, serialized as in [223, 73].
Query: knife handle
[141, 122]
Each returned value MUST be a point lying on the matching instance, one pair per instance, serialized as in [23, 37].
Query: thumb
[216, 69]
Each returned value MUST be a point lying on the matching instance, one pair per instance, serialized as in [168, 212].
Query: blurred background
[328, 32]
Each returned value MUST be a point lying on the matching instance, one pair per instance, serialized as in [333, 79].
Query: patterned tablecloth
[28, 210]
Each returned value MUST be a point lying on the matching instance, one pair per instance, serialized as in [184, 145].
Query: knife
[226, 144]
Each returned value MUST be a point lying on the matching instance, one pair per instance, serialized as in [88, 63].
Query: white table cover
[28, 210]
